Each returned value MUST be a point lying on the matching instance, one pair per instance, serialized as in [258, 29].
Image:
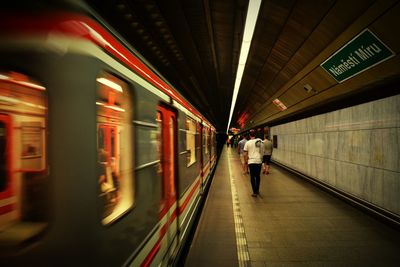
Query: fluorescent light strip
[32, 85]
[28, 84]
[251, 19]
[110, 84]
[110, 107]
[12, 101]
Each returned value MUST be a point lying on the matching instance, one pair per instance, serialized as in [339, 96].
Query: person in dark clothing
[253, 153]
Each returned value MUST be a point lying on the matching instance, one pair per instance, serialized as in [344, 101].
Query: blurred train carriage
[102, 162]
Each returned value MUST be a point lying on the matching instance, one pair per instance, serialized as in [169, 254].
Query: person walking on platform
[232, 141]
[267, 155]
[241, 154]
[253, 150]
[235, 141]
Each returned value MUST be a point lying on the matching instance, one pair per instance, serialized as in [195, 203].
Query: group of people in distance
[255, 154]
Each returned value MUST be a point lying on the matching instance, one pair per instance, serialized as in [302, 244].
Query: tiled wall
[355, 149]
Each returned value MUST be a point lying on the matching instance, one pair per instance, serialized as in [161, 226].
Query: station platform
[291, 223]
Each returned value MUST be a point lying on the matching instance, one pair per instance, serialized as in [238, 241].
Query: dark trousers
[255, 170]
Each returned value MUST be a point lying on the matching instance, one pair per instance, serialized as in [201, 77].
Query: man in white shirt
[253, 150]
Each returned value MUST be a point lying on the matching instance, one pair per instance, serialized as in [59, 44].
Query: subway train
[103, 162]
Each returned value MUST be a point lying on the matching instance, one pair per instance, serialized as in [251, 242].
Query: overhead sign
[363, 52]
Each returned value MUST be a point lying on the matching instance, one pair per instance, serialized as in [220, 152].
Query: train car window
[3, 157]
[23, 159]
[159, 143]
[208, 141]
[147, 145]
[213, 143]
[205, 140]
[114, 147]
[190, 141]
[275, 141]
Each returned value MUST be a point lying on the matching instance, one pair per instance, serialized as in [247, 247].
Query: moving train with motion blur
[102, 161]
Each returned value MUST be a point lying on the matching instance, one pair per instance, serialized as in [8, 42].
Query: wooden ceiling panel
[304, 19]
[222, 16]
[387, 28]
[294, 95]
[265, 112]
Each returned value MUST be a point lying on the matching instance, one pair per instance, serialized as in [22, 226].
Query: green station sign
[361, 53]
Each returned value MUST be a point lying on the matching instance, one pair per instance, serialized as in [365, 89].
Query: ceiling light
[110, 107]
[309, 88]
[279, 104]
[21, 80]
[251, 19]
[110, 84]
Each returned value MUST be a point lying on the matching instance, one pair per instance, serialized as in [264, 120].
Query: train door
[6, 204]
[201, 131]
[169, 205]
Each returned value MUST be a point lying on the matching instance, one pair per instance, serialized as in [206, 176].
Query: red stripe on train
[186, 202]
[151, 255]
[6, 209]
[164, 228]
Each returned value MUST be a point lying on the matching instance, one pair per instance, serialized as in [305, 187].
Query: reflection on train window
[206, 140]
[159, 119]
[114, 147]
[147, 145]
[23, 159]
[3, 155]
[212, 144]
[190, 141]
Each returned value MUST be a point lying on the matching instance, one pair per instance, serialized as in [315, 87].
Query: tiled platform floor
[293, 223]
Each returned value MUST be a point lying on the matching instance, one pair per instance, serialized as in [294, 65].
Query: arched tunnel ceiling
[195, 45]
